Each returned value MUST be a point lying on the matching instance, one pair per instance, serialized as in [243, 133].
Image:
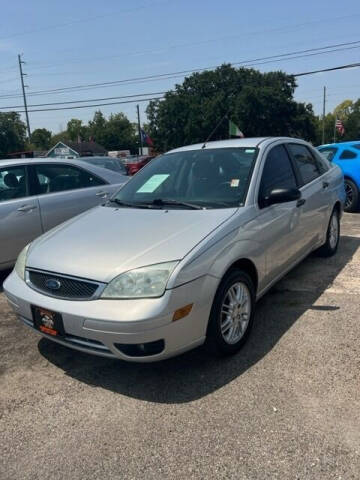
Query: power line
[331, 69]
[357, 42]
[267, 59]
[93, 105]
[341, 67]
[84, 101]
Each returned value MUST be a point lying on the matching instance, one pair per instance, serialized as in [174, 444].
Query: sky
[71, 43]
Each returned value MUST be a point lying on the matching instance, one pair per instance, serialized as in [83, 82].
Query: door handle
[26, 208]
[300, 202]
[102, 194]
[325, 184]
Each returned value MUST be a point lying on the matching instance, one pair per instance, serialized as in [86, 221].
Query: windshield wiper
[160, 202]
[121, 203]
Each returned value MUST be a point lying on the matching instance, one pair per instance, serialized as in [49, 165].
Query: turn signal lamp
[182, 312]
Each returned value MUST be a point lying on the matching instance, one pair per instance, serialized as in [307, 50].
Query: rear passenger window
[347, 155]
[59, 178]
[307, 165]
[12, 183]
[277, 173]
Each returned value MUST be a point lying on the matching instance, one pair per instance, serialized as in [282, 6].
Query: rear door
[315, 192]
[19, 213]
[65, 190]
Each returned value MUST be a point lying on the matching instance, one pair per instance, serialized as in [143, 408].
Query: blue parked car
[347, 156]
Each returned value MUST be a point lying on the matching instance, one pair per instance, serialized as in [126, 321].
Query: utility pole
[139, 129]
[24, 95]
[323, 118]
[335, 130]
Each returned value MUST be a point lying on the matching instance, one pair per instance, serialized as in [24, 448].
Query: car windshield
[209, 178]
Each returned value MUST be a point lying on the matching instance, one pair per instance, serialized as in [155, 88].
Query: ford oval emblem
[52, 284]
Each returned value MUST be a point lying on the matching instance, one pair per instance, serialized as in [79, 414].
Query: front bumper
[101, 327]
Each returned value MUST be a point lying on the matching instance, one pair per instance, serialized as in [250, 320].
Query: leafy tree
[259, 103]
[344, 109]
[12, 133]
[76, 130]
[328, 130]
[97, 127]
[349, 113]
[59, 137]
[352, 122]
[41, 138]
[116, 133]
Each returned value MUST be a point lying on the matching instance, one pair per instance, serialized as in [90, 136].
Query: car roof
[251, 142]
[108, 175]
[348, 143]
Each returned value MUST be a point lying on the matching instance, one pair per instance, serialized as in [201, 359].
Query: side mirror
[281, 195]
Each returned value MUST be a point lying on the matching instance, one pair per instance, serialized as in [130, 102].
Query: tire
[332, 236]
[236, 285]
[352, 196]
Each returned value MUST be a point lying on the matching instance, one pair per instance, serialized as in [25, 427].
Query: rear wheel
[332, 236]
[352, 196]
[232, 313]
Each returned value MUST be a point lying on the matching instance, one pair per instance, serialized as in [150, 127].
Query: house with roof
[76, 150]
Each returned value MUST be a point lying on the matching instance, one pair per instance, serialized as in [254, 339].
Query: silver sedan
[38, 194]
[179, 256]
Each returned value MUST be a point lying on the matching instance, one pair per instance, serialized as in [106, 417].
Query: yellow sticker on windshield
[153, 183]
[234, 182]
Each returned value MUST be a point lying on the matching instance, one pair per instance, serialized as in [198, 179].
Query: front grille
[69, 288]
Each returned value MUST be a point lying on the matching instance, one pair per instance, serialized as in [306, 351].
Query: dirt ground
[286, 407]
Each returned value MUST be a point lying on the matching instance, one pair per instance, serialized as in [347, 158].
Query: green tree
[41, 138]
[115, 133]
[344, 109]
[259, 103]
[352, 123]
[12, 133]
[120, 133]
[76, 130]
[349, 113]
[328, 130]
[97, 127]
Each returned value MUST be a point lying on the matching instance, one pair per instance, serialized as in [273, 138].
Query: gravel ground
[286, 407]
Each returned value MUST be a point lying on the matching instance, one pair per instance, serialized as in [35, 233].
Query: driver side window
[277, 173]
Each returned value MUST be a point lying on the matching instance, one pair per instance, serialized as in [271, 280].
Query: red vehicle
[134, 164]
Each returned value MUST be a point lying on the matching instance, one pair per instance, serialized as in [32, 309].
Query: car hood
[104, 242]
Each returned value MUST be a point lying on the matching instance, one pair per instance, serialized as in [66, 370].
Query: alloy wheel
[334, 231]
[235, 313]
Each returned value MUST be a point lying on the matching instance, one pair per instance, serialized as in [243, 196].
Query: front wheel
[231, 314]
[332, 236]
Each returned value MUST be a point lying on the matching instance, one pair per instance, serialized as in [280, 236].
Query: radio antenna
[212, 133]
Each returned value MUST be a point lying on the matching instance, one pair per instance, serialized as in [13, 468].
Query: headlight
[140, 283]
[20, 262]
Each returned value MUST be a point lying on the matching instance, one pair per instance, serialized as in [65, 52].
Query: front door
[279, 224]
